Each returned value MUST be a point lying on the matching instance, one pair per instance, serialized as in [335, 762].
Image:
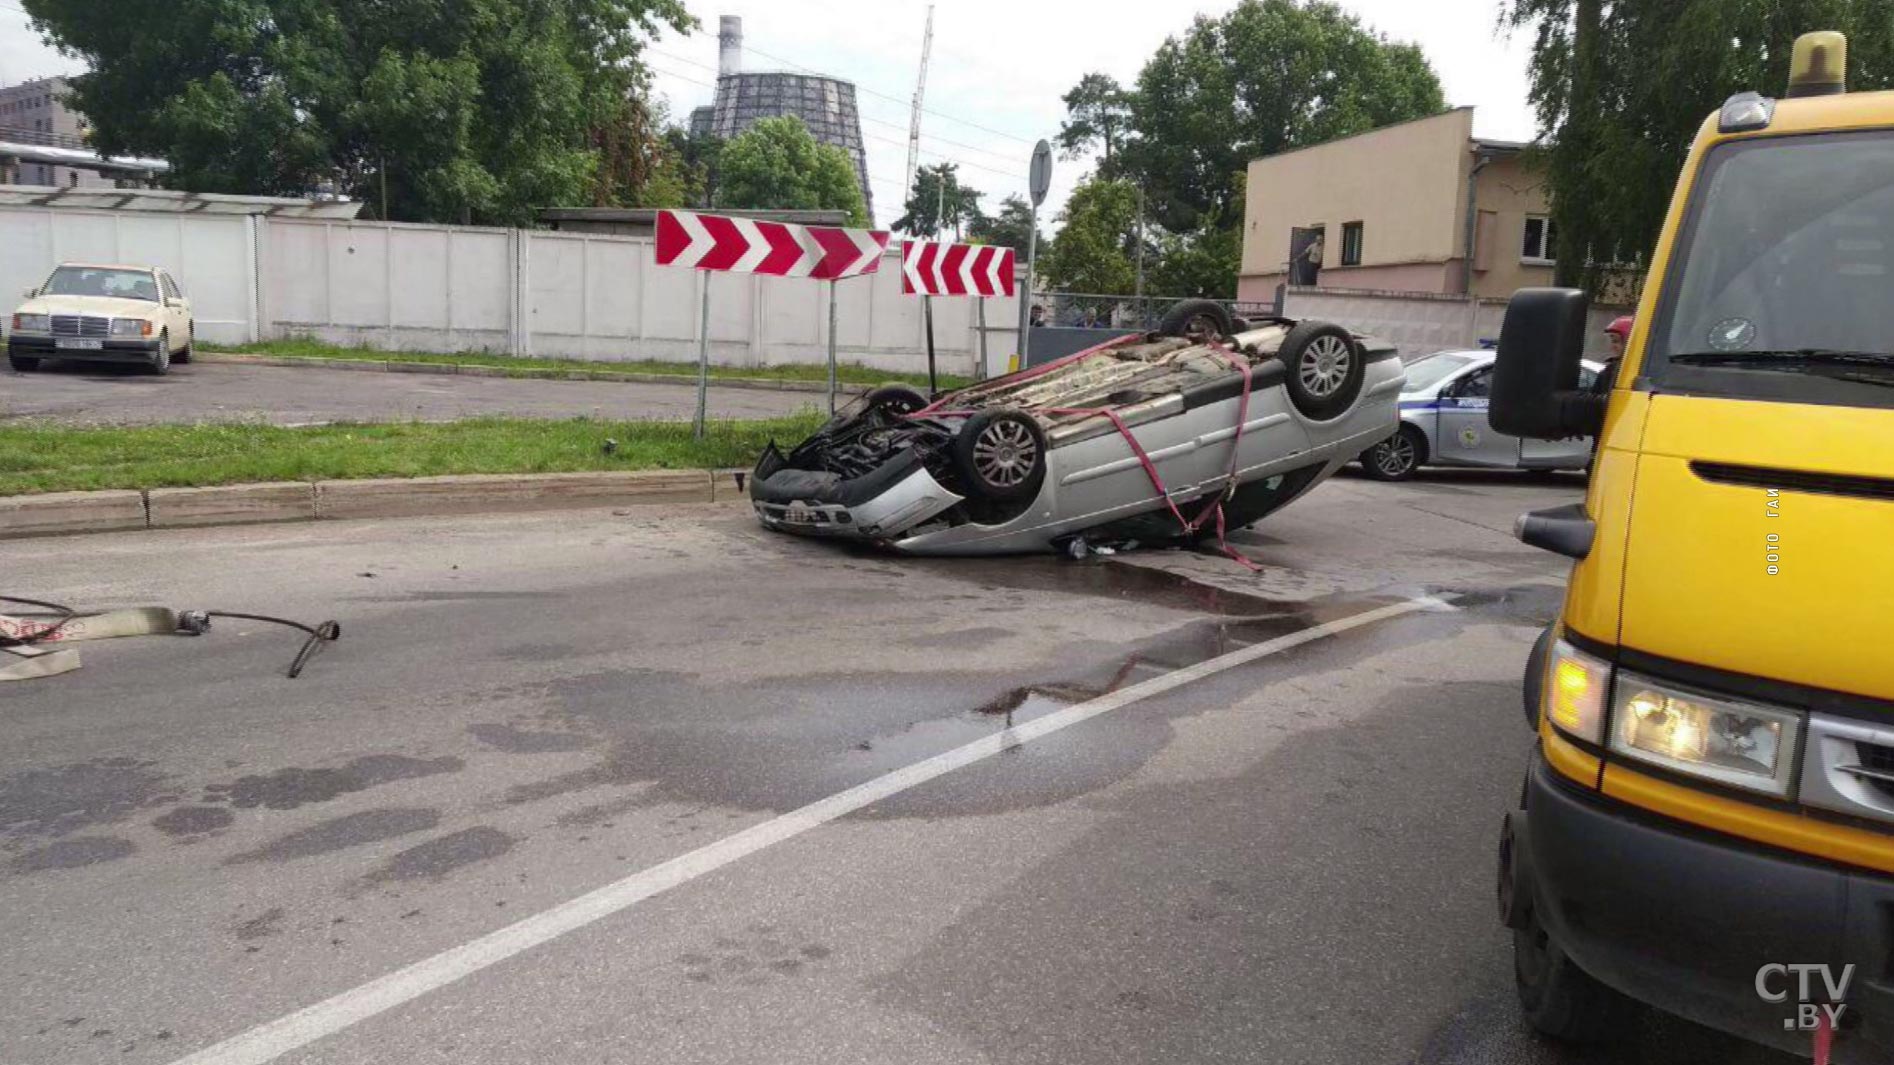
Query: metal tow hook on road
[36, 643]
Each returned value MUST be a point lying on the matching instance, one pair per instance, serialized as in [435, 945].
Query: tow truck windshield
[1784, 267]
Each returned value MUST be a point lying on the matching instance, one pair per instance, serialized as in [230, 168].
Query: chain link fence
[1084, 310]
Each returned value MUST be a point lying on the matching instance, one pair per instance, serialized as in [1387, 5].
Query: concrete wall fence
[521, 292]
[1420, 323]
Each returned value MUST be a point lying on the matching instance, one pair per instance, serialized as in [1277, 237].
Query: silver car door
[1465, 438]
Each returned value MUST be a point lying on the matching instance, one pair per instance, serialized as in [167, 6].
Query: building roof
[168, 201]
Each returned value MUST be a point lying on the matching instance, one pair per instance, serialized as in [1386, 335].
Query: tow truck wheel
[1561, 1000]
[1001, 455]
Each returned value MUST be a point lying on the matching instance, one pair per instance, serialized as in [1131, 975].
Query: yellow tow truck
[1707, 825]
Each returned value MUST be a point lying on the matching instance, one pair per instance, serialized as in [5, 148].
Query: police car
[1443, 423]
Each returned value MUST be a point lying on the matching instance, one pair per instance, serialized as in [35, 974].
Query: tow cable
[34, 644]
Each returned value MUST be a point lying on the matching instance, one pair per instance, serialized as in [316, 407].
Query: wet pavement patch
[68, 798]
[193, 820]
[286, 789]
[515, 740]
[267, 923]
[339, 833]
[437, 858]
[72, 853]
[1107, 579]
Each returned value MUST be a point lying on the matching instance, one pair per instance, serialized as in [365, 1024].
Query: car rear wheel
[1198, 319]
[1325, 369]
[161, 359]
[1397, 457]
[1000, 455]
[23, 363]
[896, 399]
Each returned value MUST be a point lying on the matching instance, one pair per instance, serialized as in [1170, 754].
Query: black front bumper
[1684, 919]
[141, 350]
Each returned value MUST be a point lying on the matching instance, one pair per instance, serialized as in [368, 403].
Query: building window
[1542, 238]
[1351, 243]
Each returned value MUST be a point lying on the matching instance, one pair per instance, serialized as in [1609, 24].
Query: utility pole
[914, 121]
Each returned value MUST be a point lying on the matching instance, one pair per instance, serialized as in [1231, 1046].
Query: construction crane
[914, 122]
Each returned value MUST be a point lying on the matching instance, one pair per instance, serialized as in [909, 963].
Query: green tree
[1622, 87]
[1202, 262]
[1268, 76]
[778, 163]
[474, 110]
[1011, 228]
[1093, 252]
[1098, 110]
[939, 202]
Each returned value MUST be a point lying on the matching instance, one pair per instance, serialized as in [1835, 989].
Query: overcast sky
[997, 72]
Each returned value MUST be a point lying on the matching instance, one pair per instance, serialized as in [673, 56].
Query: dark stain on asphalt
[437, 858]
[1106, 579]
[957, 639]
[64, 799]
[186, 821]
[286, 789]
[448, 596]
[339, 833]
[74, 853]
[1533, 604]
[515, 740]
[599, 814]
[267, 923]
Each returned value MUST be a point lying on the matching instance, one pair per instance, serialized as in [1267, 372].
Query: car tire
[161, 360]
[896, 399]
[1196, 318]
[1396, 458]
[184, 355]
[1560, 1000]
[1000, 456]
[1325, 369]
[23, 363]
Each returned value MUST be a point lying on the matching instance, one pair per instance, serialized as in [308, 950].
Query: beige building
[35, 113]
[1399, 209]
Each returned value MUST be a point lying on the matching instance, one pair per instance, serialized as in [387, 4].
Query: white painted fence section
[1419, 323]
[523, 292]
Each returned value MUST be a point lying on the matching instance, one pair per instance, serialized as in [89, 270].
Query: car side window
[170, 287]
[1476, 385]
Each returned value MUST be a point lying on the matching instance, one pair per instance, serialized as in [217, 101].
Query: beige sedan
[103, 313]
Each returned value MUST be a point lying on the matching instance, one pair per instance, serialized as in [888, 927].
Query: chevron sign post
[931, 268]
[724, 244]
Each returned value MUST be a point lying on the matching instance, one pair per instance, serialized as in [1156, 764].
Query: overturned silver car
[1207, 424]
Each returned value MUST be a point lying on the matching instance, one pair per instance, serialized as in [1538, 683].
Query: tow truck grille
[75, 325]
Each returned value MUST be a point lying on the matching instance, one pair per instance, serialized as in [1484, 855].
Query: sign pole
[703, 361]
[927, 312]
[979, 373]
[1038, 180]
[831, 349]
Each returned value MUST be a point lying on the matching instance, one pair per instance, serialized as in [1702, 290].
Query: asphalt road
[76, 393]
[1286, 859]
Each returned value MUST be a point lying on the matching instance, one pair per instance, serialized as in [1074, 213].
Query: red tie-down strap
[1824, 1038]
[934, 409]
[1215, 507]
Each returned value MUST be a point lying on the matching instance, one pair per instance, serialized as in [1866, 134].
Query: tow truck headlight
[131, 327]
[1575, 688]
[1705, 736]
[32, 323]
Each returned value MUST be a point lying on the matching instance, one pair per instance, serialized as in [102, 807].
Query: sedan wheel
[161, 362]
[1393, 459]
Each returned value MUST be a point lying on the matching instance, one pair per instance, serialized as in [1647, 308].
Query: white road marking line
[303, 1027]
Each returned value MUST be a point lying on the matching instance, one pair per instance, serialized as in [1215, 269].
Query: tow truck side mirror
[1535, 375]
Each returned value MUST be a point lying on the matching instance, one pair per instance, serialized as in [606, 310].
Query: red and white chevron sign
[781, 249]
[930, 268]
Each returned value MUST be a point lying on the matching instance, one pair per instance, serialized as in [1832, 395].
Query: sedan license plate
[65, 344]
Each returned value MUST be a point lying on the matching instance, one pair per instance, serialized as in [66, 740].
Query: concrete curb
[61, 513]
[762, 384]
